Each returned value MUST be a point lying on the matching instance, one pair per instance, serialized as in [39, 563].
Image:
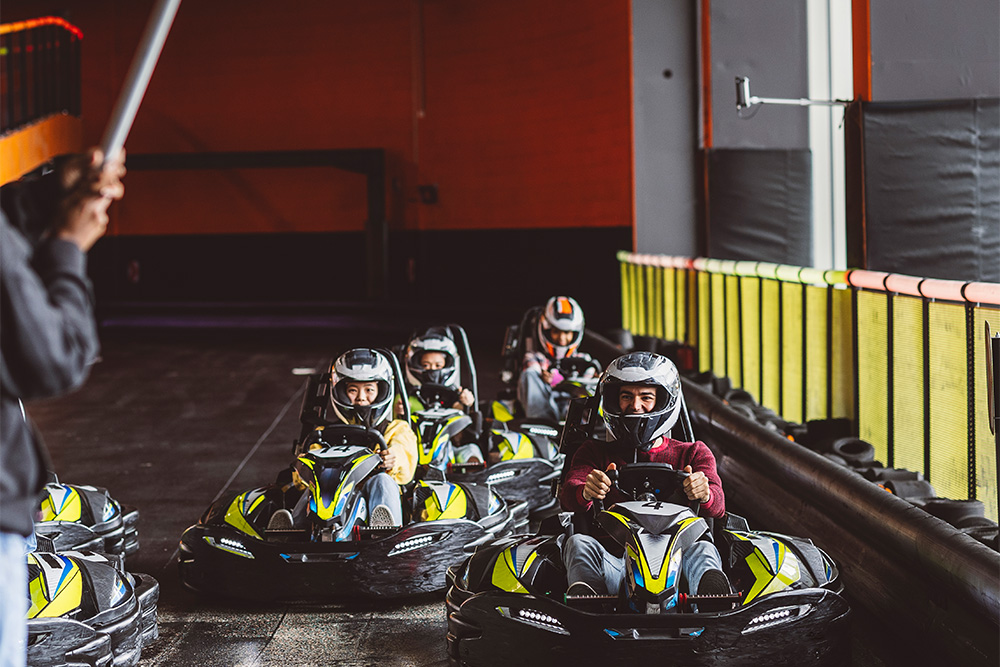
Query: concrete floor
[170, 420]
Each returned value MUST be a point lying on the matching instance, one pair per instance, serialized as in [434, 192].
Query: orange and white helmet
[561, 313]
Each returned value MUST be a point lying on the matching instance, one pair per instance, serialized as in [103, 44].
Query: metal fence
[903, 357]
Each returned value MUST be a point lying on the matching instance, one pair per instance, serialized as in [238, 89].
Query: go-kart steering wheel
[650, 481]
[440, 395]
[353, 434]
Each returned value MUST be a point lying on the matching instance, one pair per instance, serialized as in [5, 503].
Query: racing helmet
[432, 340]
[646, 369]
[362, 365]
[561, 313]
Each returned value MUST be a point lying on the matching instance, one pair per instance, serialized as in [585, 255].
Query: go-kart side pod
[87, 518]
[529, 466]
[83, 606]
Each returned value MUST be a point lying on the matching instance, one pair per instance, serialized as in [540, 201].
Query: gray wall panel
[666, 129]
[934, 50]
[759, 205]
[932, 189]
[765, 40]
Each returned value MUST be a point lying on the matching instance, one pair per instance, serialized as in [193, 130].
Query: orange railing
[39, 71]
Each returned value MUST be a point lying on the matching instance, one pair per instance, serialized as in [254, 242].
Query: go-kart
[521, 459]
[85, 609]
[509, 598]
[329, 552]
[572, 377]
[86, 518]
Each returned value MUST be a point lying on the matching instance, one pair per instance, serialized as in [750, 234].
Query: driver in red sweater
[641, 402]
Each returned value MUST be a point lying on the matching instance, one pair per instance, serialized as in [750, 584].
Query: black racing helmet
[435, 339]
[647, 369]
[362, 365]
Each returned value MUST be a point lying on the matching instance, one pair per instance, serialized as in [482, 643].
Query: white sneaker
[380, 517]
[281, 520]
[580, 588]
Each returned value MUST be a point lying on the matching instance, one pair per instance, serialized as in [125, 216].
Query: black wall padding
[760, 205]
[932, 189]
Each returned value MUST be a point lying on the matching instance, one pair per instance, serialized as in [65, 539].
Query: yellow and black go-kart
[329, 552]
[79, 517]
[509, 598]
[521, 461]
[85, 609]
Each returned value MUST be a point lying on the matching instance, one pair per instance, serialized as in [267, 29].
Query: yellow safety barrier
[902, 356]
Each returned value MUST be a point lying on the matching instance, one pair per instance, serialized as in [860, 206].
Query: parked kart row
[85, 608]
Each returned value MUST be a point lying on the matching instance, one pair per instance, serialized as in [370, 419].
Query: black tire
[835, 459]
[740, 396]
[909, 489]
[954, 511]
[855, 451]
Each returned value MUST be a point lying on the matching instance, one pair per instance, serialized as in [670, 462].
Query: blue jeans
[383, 490]
[13, 600]
[587, 561]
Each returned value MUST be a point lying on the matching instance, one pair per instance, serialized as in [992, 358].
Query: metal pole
[139, 74]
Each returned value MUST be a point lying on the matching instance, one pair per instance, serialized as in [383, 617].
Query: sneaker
[579, 588]
[380, 517]
[714, 582]
[281, 520]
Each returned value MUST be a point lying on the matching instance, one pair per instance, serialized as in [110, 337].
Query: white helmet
[561, 313]
[433, 340]
[362, 365]
[641, 431]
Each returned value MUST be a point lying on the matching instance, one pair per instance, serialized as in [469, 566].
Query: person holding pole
[48, 340]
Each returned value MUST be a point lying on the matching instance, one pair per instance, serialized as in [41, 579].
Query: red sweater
[594, 454]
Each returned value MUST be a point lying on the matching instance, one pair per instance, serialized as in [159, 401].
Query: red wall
[519, 111]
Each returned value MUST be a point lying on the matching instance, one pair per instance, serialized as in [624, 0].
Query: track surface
[171, 418]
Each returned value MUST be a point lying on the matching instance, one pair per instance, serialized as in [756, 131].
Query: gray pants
[539, 399]
[587, 561]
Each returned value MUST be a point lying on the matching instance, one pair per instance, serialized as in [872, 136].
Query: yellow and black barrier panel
[921, 379]
[904, 357]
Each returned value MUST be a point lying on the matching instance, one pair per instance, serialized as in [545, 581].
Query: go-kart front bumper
[794, 628]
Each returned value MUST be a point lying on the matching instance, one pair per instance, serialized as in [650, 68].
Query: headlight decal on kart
[229, 545]
[777, 616]
[501, 476]
[534, 618]
[57, 589]
[61, 503]
[539, 429]
[416, 542]
[235, 517]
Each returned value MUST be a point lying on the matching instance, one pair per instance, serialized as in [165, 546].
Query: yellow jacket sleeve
[402, 442]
